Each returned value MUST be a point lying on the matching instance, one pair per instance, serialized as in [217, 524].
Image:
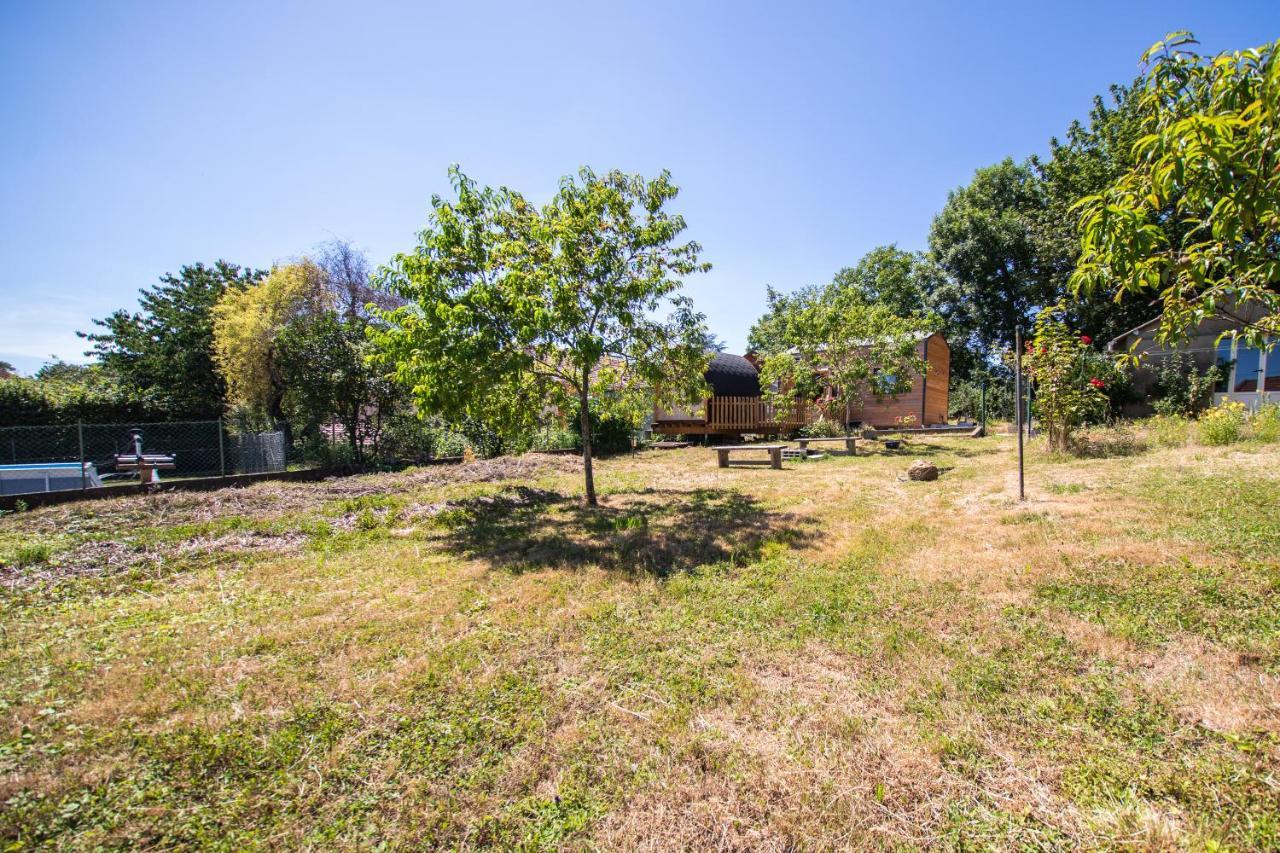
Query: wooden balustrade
[750, 414]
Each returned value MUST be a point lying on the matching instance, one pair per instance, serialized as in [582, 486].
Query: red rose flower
[1097, 383]
[1086, 340]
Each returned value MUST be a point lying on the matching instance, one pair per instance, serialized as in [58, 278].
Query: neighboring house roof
[1118, 341]
[732, 376]
[1228, 315]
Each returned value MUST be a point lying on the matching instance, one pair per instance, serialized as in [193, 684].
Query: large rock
[922, 469]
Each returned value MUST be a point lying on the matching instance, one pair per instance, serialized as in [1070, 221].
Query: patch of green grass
[1239, 607]
[1231, 513]
[32, 554]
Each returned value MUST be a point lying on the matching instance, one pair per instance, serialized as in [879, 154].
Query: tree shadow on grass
[659, 532]
[917, 448]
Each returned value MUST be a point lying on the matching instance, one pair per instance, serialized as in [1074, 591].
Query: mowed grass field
[827, 656]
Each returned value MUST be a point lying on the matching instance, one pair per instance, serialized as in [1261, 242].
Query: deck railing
[753, 413]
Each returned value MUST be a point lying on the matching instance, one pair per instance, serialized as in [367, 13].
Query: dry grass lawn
[827, 656]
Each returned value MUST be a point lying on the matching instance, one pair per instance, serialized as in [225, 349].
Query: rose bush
[1069, 377]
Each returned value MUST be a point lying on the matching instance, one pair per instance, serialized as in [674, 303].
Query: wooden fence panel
[754, 414]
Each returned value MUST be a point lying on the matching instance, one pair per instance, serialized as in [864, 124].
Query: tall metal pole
[984, 407]
[1017, 405]
[84, 477]
[1031, 389]
[222, 453]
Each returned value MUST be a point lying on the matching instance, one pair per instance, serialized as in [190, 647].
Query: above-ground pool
[46, 477]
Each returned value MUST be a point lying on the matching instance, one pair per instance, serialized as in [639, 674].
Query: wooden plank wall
[937, 382]
[926, 408]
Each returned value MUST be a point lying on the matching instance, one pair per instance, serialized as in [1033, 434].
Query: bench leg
[851, 445]
[775, 458]
[722, 457]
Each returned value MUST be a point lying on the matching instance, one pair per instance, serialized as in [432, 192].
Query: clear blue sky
[141, 137]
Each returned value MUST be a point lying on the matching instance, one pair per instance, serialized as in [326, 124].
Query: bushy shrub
[610, 432]
[64, 396]
[555, 438]
[822, 428]
[1181, 388]
[964, 400]
[1169, 430]
[1265, 423]
[1071, 379]
[1223, 424]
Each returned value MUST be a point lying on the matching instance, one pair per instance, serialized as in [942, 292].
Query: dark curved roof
[732, 376]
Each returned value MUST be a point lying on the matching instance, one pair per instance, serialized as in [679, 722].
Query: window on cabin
[1224, 367]
[1273, 367]
[1248, 368]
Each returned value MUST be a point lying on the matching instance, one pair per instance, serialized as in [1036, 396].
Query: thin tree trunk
[585, 420]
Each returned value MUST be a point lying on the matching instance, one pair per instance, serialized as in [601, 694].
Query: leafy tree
[323, 362]
[903, 282]
[1090, 158]
[514, 309]
[1208, 160]
[985, 239]
[165, 349]
[829, 344]
[246, 325]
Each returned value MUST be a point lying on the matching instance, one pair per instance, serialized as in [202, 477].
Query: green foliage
[965, 398]
[985, 238]
[65, 394]
[1069, 378]
[1264, 425]
[246, 325]
[324, 361]
[1181, 388]
[1223, 424]
[164, 351]
[32, 554]
[1208, 159]
[901, 282]
[512, 308]
[1169, 430]
[829, 344]
[611, 431]
[822, 428]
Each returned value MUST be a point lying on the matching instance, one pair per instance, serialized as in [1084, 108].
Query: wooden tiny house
[737, 406]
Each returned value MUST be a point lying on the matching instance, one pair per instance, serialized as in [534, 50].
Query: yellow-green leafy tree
[247, 324]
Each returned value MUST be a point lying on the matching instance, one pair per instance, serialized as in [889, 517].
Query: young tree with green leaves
[829, 343]
[513, 310]
[165, 349]
[323, 361]
[1208, 159]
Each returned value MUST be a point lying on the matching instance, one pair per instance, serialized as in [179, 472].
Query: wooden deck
[734, 416]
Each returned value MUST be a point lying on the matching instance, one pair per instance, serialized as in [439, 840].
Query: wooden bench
[850, 443]
[774, 450]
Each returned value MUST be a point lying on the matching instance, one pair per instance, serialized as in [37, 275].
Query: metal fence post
[1017, 406]
[84, 478]
[222, 452]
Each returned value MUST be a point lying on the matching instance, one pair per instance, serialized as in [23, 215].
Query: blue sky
[139, 137]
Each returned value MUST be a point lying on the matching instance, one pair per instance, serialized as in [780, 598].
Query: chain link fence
[58, 457]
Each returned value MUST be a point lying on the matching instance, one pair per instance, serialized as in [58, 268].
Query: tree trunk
[353, 439]
[584, 406]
